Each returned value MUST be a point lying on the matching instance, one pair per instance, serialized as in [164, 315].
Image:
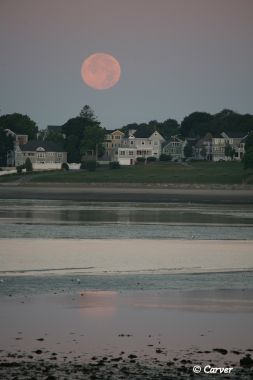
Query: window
[131, 153]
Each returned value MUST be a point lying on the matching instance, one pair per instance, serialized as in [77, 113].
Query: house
[134, 147]
[18, 140]
[203, 148]
[235, 140]
[46, 154]
[113, 140]
[175, 148]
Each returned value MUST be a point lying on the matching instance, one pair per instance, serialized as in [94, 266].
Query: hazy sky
[176, 56]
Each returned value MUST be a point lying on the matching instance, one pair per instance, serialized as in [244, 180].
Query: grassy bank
[193, 173]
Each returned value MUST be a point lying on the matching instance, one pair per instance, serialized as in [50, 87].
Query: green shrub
[19, 169]
[114, 165]
[28, 165]
[83, 165]
[91, 165]
[65, 166]
[165, 157]
[151, 159]
[140, 159]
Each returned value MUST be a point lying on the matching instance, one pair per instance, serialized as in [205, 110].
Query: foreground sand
[125, 335]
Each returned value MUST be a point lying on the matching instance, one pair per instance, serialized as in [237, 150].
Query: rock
[246, 361]
[132, 356]
[220, 350]
[38, 352]
[235, 352]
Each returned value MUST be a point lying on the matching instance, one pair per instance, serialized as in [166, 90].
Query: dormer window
[40, 149]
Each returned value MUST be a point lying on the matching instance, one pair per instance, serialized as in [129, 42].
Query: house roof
[48, 146]
[235, 135]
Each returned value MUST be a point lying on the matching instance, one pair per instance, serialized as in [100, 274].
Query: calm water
[65, 219]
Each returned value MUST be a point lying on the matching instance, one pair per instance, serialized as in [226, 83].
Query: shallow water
[101, 220]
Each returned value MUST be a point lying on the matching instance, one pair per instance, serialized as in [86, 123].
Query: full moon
[100, 71]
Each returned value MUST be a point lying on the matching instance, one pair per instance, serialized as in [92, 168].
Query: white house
[45, 153]
[175, 148]
[133, 147]
[235, 140]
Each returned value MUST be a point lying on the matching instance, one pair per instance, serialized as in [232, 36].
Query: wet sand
[129, 335]
[127, 193]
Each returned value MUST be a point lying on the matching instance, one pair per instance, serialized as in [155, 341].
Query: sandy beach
[91, 256]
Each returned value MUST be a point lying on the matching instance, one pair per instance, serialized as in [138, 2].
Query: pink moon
[100, 71]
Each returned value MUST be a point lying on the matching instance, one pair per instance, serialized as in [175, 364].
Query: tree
[28, 165]
[19, 124]
[248, 159]
[188, 151]
[72, 146]
[249, 142]
[248, 156]
[196, 124]
[87, 113]
[55, 137]
[93, 138]
[64, 166]
[6, 144]
[203, 152]
[229, 151]
[168, 128]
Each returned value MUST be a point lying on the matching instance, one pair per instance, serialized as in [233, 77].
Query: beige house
[40, 152]
[113, 140]
[134, 147]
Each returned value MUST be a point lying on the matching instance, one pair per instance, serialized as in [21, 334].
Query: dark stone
[116, 359]
[246, 361]
[235, 352]
[132, 356]
[38, 352]
[221, 351]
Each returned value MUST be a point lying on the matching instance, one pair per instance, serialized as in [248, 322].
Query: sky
[176, 57]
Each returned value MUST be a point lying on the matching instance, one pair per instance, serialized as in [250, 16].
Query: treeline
[196, 125]
[84, 134]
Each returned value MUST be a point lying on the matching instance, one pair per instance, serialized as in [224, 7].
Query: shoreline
[130, 193]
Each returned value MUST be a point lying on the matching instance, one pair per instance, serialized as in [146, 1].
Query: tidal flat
[109, 290]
